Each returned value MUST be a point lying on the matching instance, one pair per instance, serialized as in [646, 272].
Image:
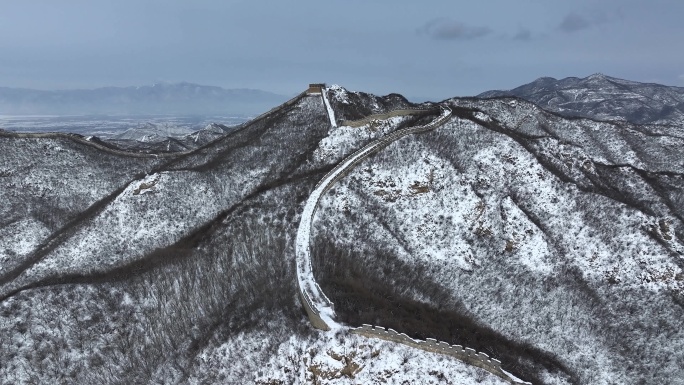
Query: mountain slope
[603, 97]
[554, 244]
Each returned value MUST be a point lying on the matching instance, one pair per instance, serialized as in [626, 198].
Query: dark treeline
[361, 297]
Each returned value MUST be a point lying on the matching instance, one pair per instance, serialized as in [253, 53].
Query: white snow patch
[340, 94]
[20, 239]
[336, 358]
[482, 116]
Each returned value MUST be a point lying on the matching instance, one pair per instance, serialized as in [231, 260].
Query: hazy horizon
[435, 50]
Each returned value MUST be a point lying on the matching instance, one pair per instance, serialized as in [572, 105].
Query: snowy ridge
[467, 355]
[604, 98]
[317, 304]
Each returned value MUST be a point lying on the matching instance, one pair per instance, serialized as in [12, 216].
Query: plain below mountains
[157, 99]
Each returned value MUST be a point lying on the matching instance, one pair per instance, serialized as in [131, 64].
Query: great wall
[84, 141]
[467, 355]
[316, 304]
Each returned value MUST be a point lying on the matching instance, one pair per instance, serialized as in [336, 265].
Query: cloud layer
[523, 34]
[573, 22]
[448, 29]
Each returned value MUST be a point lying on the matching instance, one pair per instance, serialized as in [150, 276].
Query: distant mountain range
[603, 97]
[160, 98]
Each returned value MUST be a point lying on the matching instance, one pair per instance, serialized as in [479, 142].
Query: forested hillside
[550, 243]
[554, 244]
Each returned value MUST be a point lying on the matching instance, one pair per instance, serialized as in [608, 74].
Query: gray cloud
[448, 29]
[523, 34]
[574, 22]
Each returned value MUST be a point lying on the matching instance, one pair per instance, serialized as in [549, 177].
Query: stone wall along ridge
[81, 140]
[467, 355]
[328, 107]
[281, 107]
[305, 270]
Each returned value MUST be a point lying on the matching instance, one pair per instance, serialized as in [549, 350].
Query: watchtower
[315, 88]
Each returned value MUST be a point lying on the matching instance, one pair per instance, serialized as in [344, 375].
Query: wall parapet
[467, 355]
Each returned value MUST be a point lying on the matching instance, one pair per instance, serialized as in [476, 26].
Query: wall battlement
[467, 355]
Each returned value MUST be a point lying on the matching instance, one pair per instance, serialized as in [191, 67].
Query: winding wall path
[319, 308]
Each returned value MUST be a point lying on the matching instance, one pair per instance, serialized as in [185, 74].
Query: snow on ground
[339, 94]
[335, 358]
[486, 205]
[428, 230]
[436, 203]
[343, 140]
[137, 221]
[19, 239]
[151, 132]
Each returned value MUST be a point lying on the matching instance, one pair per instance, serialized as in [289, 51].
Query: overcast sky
[433, 49]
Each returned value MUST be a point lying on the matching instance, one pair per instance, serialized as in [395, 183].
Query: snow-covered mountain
[160, 99]
[166, 138]
[603, 97]
[552, 244]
